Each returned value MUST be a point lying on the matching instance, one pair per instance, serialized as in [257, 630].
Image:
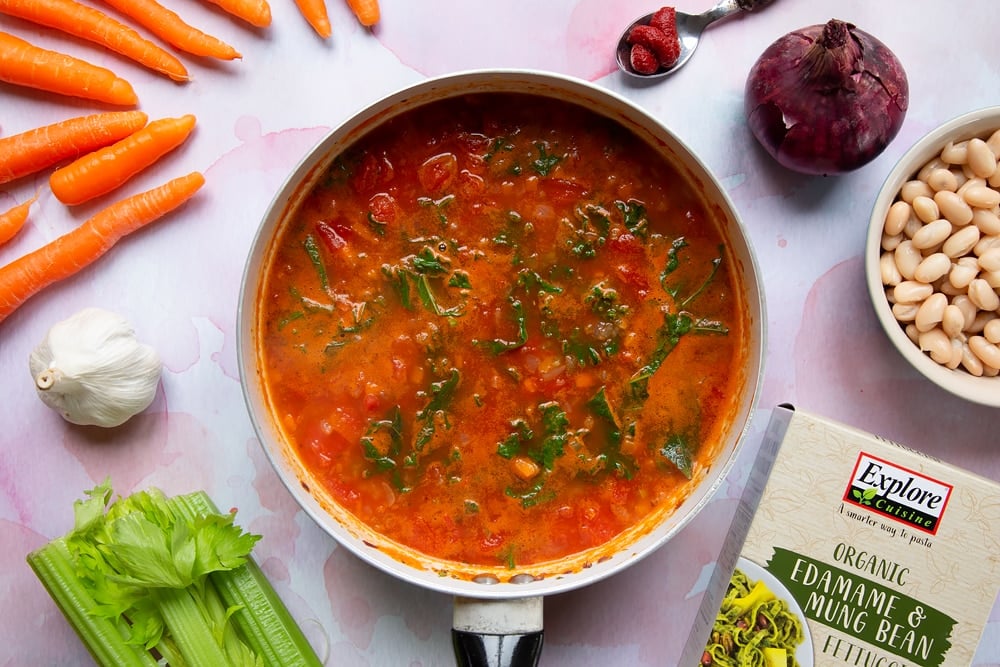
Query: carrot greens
[148, 578]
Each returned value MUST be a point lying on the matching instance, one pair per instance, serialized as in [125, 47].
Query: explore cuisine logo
[898, 493]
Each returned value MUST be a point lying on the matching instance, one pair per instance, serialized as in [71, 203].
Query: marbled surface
[178, 283]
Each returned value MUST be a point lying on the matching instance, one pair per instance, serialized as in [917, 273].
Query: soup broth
[501, 329]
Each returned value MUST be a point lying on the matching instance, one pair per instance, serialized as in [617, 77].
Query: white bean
[895, 219]
[925, 171]
[980, 321]
[980, 293]
[941, 179]
[931, 312]
[913, 225]
[890, 242]
[905, 312]
[961, 242]
[927, 209]
[971, 362]
[990, 260]
[890, 272]
[987, 352]
[955, 153]
[956, 354]
[913, 189]
[987, 221]
[992, 331]
[952, 320]
[980, 196]
[968, 309]
[907, 259]
[933, 267]
[911, 291]
[932, 234]
[986, 243]
[969, 183]
[990, 372]
[937, 343]
[981, 159]
[992, 278]
[994, 143]
[962, 273]
[911, 332]
[953, 208]
[947, 288]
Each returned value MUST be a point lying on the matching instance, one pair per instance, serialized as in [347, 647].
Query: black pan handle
[497, 633]
[477, 650]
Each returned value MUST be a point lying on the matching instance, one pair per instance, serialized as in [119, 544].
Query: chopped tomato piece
[437, 173]
[374, 172]
[627, 245]
[333, 235]
[325, 433]
[633, 278]
[562, 191]
[383, 207]
[473, 142]
[470, 184]
[372, 403]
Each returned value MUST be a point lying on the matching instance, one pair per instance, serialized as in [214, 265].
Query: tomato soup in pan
[501, 330]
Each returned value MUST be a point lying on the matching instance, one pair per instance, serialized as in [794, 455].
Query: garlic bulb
[91, 369]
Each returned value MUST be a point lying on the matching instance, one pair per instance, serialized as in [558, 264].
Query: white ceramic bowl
[980, 123]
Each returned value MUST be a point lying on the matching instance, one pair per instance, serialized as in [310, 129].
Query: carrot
[255, 12]
[314, 11]
[367, 11]
[172, 29]
[90, 24]
[28, 152]
[24, 64]
[82, 246]
[107, 168]
[12, 221]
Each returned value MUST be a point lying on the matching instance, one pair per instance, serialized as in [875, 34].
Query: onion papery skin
[826, 99]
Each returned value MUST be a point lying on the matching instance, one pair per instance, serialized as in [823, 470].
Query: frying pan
[498, 613]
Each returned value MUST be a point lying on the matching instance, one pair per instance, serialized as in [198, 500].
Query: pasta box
[850, 549]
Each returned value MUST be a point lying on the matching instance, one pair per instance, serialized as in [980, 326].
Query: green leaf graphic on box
[865, 497]
[894, 622]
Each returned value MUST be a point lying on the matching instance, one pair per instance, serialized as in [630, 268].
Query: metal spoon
[689, 29]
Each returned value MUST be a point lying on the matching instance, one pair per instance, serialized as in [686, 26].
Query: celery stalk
[189, 627]
[53, 566]
[146, 579]
[263, 620]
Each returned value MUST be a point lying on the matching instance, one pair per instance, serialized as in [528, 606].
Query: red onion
[826, 99]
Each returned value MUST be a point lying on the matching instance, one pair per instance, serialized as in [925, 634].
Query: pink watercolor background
[178, 282]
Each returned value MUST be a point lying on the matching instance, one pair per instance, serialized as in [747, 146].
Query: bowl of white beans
[932, 256]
